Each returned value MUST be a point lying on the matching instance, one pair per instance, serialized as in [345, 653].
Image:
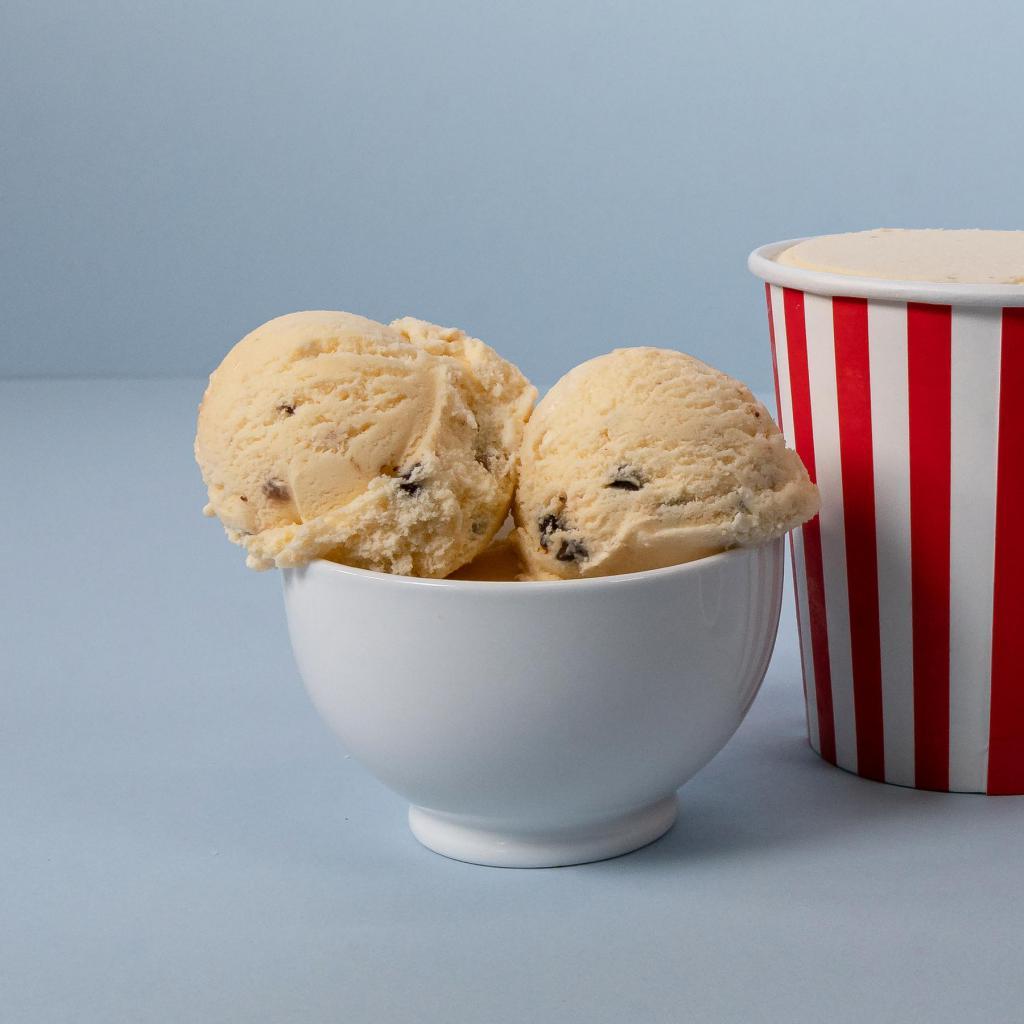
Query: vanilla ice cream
[646, 458]
[963, 257]
[501, 562]
[324, 434]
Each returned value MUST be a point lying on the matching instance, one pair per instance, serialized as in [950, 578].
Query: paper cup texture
[909, 416]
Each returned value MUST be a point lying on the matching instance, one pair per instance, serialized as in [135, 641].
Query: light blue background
[556, 178]
[182, 840]
[180, 837]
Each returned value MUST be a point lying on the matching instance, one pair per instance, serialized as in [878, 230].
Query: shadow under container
[904, 400]
[539, 723]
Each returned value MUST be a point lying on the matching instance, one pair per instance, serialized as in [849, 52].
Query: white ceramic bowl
[536, 724]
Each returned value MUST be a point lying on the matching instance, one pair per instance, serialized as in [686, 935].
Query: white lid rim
[763, 264]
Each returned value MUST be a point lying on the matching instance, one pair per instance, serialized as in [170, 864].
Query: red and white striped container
[906, 402]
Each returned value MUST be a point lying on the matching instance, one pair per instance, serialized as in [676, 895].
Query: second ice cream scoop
[645, 458]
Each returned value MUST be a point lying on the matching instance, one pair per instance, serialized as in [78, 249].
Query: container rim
[763, 264]
[322, 567]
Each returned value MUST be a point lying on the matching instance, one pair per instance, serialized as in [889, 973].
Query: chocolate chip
[275, 490]
[547, 526]
[242, 497]
[680, 499]
[627, 478]
[569, 550]
[411, 479]
[288, 410]
[572, 551]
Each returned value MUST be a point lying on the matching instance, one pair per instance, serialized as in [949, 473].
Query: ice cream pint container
[902, 399]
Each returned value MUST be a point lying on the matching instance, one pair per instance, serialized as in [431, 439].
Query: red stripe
[775, 361]
[811, 727]
[813, 730]
[853, 387]
[1006, 729]
[803, 437]
[928, 363]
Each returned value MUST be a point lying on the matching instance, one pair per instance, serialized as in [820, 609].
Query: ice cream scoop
[645, 458]
[919, 254]
[324, 434]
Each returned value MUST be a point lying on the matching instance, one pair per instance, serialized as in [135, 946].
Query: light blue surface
[557, 178]
[182, 840]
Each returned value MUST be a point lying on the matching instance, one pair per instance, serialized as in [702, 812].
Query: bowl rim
[321, 566]
[762, 263]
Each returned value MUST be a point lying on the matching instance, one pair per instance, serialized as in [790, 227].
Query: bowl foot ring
[465, 839]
